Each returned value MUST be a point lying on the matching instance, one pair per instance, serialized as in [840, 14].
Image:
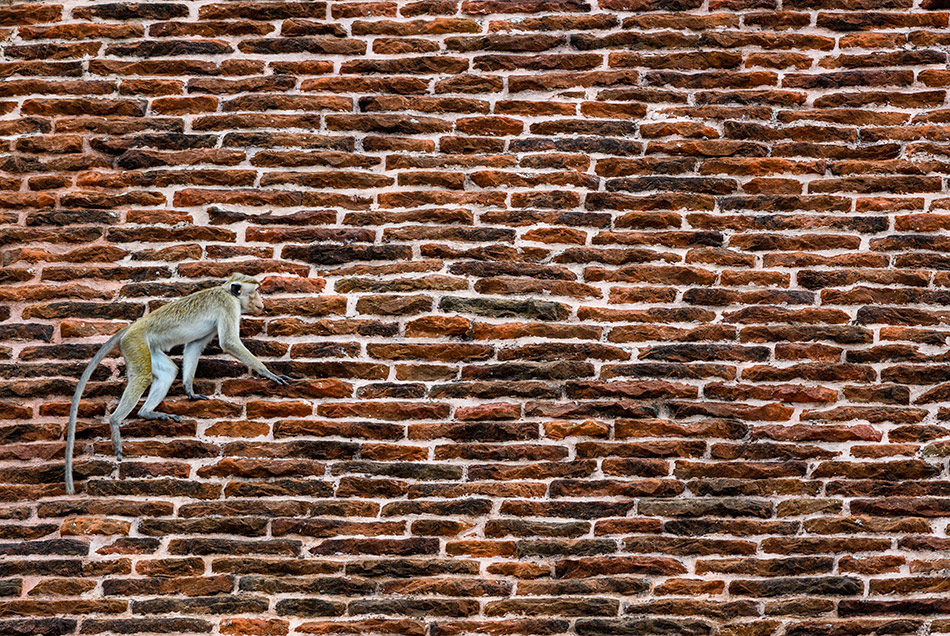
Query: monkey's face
[251, 302]
[249, 298]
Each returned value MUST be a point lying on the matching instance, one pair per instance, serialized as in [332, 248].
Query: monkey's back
[182, 320]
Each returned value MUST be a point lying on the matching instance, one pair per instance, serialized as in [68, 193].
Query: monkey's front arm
[229, 338]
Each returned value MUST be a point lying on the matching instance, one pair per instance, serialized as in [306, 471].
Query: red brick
[570, 293]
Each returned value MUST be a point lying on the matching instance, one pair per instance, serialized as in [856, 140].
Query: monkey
[193, 321]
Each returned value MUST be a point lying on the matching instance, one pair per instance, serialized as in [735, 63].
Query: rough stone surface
[605, 317]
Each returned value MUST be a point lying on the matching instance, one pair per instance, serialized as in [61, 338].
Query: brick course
[607, 316]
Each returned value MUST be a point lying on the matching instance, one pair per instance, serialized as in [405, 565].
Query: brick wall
[616, 317]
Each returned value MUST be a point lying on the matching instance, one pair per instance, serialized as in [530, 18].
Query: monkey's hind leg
[138, 369]
[164, 372]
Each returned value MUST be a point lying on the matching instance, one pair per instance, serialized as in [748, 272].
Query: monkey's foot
[198, 396]
[155, 415]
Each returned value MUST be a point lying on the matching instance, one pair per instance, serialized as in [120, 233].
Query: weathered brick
[580, 300]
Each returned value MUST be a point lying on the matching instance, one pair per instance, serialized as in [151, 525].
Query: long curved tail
[110, 344]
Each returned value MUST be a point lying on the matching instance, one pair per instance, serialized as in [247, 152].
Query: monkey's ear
[236, 289]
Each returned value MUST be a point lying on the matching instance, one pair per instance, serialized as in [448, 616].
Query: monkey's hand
[282, 379]
[197, 396]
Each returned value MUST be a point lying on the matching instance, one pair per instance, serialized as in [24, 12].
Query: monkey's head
[244, 288]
